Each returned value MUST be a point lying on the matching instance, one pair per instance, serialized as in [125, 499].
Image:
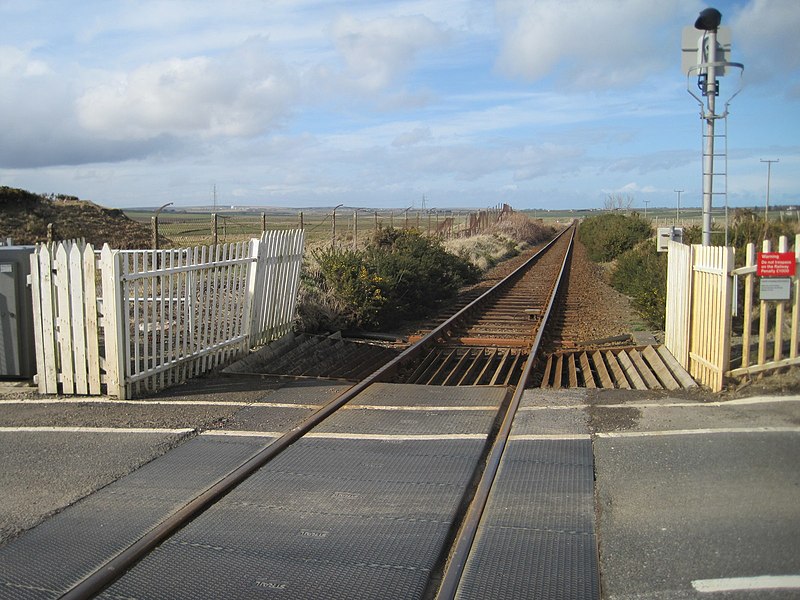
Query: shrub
[608, 235]
[641, 274]
[521, 229]
[400, 275]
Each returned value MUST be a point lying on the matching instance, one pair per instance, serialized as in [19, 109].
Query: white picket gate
[700, 301]
[127, 322]
[698, 321]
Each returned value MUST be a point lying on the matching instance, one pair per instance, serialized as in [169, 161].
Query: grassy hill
[24, 218]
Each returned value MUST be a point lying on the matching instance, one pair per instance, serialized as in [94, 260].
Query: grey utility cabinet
[17, 349]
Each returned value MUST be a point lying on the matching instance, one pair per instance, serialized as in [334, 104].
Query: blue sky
[537, 103]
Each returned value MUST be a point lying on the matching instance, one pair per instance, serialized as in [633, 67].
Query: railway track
[489, 344]
[489, 341]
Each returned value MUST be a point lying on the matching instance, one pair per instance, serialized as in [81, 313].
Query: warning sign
[775, 264]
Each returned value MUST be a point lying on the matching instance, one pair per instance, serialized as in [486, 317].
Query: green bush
[400, 275]
[608, 235]
[641, 274]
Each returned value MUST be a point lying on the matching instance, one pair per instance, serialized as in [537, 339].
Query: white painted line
[235, 433]
[90, 430]
[716, 404]
[761, 400]
[555, 407]
[158, 402]
[389, 437]
[351, 436]
[760, 582]
[419, 408]
[624, 434]
[551, 436]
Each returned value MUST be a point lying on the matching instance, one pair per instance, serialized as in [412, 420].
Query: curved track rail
[474, 326]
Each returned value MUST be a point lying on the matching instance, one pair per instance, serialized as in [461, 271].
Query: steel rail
[451, 578]
[114, 568]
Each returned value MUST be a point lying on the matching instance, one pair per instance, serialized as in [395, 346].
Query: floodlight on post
[706, 57]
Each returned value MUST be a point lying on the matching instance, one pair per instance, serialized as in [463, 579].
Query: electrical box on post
[17, 346]
[667, 234]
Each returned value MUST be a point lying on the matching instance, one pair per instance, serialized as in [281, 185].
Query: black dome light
[709, 19]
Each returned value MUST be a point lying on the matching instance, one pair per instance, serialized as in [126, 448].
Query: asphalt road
[692, 498]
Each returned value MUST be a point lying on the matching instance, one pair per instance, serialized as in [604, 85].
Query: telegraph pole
[678, 209]
[769, 173]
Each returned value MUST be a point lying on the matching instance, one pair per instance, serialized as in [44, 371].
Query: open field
[195, 227]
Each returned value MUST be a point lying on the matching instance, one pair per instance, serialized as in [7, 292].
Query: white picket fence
[699, 305]
[699, 330]
[128, 322]
[770, 329]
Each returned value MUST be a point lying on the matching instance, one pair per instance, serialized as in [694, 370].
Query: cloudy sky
[537, 103]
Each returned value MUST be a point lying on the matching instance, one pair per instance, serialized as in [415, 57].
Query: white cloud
[376, 52]
[589, 43]
[413, 137]
[240, 93]
[15, 62]
[765, 33]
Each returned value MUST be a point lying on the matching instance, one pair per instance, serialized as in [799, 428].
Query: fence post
[301, 220]
[249, 313]
[214, 229]
[763, 322]
[113, 322]
[677, 325]
[263, 223]
[90, 312]
[44, 319]
[154, 223]
[747, 319]
[783, 246]
[793, 349]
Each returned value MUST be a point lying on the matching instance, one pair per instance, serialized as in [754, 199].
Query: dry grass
[507, 238]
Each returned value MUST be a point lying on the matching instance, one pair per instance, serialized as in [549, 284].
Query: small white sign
[776, 288]
[6, 268]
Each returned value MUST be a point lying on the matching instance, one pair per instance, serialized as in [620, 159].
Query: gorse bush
[641, 274]
[608, 235]
[401, 275]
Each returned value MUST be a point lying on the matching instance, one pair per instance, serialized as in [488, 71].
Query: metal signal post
[706, 58]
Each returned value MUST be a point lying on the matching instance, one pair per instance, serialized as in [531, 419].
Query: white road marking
[716, 404]
[551, 436]
[158, 402]
[760, 582]
[91, 430]
[356, 436]
[419, 408]
[242, 433]
[624, 434]
[390, 437]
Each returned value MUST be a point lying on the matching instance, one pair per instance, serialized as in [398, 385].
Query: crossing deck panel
[536, 538]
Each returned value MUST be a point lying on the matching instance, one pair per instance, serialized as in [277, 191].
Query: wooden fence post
[113, 323]
[679, 308]
[793, 345]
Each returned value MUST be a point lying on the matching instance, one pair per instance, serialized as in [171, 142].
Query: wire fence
[340, 226]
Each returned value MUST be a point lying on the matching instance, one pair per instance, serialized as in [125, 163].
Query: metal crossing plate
[77, 541]
[401, 394]
[536, 538]
[328, 518]
[388, 422]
